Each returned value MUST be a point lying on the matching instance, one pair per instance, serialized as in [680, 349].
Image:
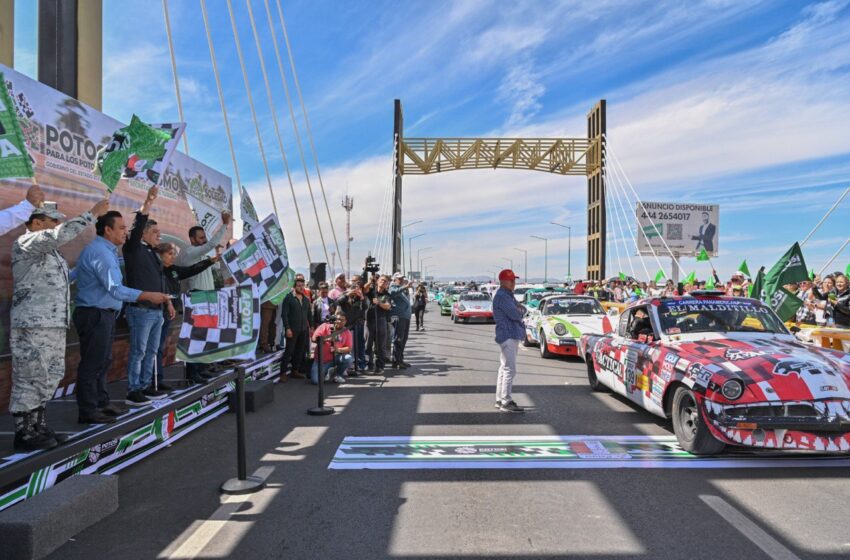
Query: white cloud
[522, 90]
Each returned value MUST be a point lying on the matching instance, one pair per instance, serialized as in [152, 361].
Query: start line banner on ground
[550, 452]
[260, 259]
[220, 325]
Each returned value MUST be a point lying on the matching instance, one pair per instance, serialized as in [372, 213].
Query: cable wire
[306, 122]
[618, 203]
[174, 72]
[274, 121]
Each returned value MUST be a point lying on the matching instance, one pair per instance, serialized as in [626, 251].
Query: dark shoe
[197, 379]
[165, 388]
[42, 427]
[379, 371]
[96, 417]
[498, 404]
[27, 436]
[297, 375]
[511, 406]
[153, 394]
[403, 365]
[113, 409]
[136, 398]
[394, 365]
[206, 377]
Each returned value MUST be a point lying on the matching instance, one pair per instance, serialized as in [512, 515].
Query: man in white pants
[509, 332]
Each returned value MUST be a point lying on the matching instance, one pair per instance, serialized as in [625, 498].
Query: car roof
[570, 296]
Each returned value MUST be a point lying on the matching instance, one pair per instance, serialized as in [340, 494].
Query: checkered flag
[260, 259]
[220, 325]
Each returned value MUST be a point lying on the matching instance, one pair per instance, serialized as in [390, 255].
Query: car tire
[544, 350]
[592, 379]
[455, 319]
[690, 427]
[527, 341]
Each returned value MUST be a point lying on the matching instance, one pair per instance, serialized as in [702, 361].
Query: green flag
[659, 276]
[709, 284]
[785, 304]
[622, 277]
[691, 279]
[757, 287]
[743, 268]
[847, 270]
[136, 145]
[812, 275]
[790, 268]
[703, 256]
[14, 159]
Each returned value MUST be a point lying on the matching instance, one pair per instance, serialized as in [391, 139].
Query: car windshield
[520, 291]
[573, 306]
[537, 296]
[475, 297]
[688, 315]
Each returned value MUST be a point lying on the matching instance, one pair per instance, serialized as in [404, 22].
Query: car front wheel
[544, 349]
[690, 427]
[592, 379]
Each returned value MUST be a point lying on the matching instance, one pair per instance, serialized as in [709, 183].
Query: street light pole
[569, 248]
[526, 263]
[545, 257]
[419, 257]
[410, 250]
[422, 261]
[402, 237]
[510, 261]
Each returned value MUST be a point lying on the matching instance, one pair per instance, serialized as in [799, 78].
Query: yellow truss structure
[566, 156]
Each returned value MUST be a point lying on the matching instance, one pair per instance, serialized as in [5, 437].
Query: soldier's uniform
[40, 319]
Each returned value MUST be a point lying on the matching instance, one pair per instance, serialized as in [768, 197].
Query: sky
[745, 104]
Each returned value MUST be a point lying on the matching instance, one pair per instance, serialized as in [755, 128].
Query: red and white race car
[727, 372]
[473, 306]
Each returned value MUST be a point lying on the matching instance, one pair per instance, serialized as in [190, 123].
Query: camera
[371, 266]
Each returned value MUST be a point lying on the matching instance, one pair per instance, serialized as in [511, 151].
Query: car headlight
[560, 329]
[461, 308]
[732, 389]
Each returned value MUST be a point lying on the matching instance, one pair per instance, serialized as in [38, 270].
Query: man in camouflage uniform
[40, 319]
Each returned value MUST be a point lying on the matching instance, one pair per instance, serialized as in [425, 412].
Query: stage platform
[108, 448]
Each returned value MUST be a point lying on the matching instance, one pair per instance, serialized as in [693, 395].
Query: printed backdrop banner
[220, 325]
[687, 228]
[63, 136]
[14, 159]
[260, 258]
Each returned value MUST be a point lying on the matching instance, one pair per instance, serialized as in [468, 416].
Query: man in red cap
[509, 332]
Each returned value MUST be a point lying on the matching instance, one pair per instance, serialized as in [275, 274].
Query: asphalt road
[171, 507]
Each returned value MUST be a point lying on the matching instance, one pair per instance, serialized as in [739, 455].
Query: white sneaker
[339, 379]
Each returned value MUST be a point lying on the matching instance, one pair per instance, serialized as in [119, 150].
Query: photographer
[336, 351]
[354, 305]
[420, 302]
[377, 324]
[401, 311]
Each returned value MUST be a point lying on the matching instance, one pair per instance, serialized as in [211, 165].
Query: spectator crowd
[359, 325]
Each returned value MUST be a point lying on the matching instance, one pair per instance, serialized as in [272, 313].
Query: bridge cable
[618, 206]
[629, 201]
[616, 160]
[627, 204]
[608, 210]
[825, 216]
[387, 203]
[307, 122]
[274, 120]
[835, 256]
[174, 72]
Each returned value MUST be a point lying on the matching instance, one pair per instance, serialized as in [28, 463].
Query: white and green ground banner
[14, 159]
[220, 325]
[548, 452]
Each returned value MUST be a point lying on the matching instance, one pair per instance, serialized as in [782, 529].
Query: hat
[398, 275]
[507, 274]
[340, 275]
[737, 274]
[45, 212]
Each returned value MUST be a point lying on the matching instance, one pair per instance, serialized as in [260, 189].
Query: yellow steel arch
[565, 156]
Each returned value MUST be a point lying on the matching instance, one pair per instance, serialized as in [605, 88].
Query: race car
[531, 298]
[473, 306]
[557, 324]
[448, 300]
[726, 371]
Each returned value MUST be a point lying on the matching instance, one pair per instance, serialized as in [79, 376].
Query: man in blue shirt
[509, 332]
[401, 311]
[100, 295]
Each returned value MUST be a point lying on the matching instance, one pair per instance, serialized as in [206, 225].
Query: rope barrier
[174, 72]
[307, 122]
[274, 121]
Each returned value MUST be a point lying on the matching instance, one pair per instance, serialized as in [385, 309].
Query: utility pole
[525, 271]
[569, 248]
[545, 257]
[348, 204]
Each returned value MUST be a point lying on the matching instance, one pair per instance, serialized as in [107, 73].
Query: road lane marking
[758, 536]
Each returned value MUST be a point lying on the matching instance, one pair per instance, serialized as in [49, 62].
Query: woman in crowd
[173, 275]
[420, 301]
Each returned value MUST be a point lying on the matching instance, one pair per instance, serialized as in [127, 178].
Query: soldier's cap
[46, 212]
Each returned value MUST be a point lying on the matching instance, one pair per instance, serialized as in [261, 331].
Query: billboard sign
[686, 228]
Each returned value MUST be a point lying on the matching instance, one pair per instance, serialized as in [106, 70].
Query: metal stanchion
[242, 484]
[321, 410]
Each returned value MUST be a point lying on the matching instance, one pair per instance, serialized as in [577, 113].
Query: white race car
[557, 324]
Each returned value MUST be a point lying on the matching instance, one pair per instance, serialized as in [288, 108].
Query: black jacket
[141, 263]
[841, 310]
[175, 273]
[354, 308]
[296, 316]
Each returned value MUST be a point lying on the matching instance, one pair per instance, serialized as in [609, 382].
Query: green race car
[448, 300]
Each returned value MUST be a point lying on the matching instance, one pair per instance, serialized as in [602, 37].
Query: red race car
[473, 306]
[726, 371]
